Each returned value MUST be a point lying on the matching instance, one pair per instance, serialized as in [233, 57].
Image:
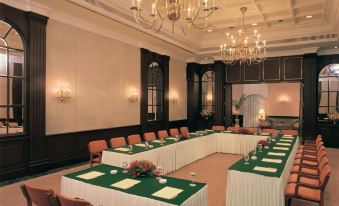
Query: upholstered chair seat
[162, 134]
[118, 142]
[95, 149]
[173, 132]
[134, 139]
[218, 128]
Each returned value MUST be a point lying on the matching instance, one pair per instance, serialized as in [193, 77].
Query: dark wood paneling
[178, 123]
[271, 69]
[219, 93]
[293, 69]
[330, 134]
[228, 105]
[233, 73]
[252, 72]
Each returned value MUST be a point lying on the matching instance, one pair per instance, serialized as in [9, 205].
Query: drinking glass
[246, 158]
[260, 147]
[158, 171]
[130, 148]
[146, 145]
[124, 166]
[161, 141]
[193, 174]
[254, 152]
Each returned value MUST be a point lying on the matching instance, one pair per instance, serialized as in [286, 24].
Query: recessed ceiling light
[309, 16]
[210, 30]
[280, 20]
[16, 33]
[206, 58]
[336, 47]
[254, 24]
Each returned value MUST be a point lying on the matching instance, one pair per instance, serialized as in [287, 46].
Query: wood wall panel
[252, 72]
[233, 73]
[271, 69]
[293, 68]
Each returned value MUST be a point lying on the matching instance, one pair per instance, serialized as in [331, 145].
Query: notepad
[168, 193]
[90, 175]
[227, 131]
[288, 137]
[193, 133]
[284, 144]
[140, 145]
[122, 149]
[272, 160]
[126, 183]
[171, 138]
[286, 140]
[265, 134]
[280, 148]
[265, 169]
[277, 154]
[157, 141]
[209, 130]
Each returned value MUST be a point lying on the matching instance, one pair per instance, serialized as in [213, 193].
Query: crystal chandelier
[189, 13]
[244, 47]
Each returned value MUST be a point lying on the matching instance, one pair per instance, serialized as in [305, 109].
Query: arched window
[328, 90]
[207, 94]
[12, 81]
[155, 92]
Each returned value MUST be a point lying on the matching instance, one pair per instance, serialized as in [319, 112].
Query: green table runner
[137, 149]
[145, 188]
[240, 166]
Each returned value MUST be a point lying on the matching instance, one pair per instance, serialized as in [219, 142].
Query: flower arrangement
[206, 114]
[242, 131]
[263, 142]
[334, 117]
[141, 168]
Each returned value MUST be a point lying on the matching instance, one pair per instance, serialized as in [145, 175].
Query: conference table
[245, 186]
[263, 180]
[172, 155]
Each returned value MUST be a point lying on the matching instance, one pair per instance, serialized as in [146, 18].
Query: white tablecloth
[248, 189]
[101, 196]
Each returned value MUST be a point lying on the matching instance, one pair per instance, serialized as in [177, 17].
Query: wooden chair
[309, 170]
[310, 162]
[162, 134]
[134, 139]
[149, 136]
[313, 192]
[289, 132]
[65, 201]
[173, 132]
[118, 142]
[251, 129]
[95, 149]
[271, 131]
[218, 128]
[37, 196]
[184, 130]
[233, 129]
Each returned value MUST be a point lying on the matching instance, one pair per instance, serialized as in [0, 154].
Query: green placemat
[240, 166]
[145, 188]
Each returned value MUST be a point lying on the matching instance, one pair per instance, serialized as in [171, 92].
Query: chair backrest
[173, 132]
[289, 132]
[322, 163]
[233, 129]
[271, 131]
[118, 142]
[251, 129]
[162, 134]
[321, 155]
[184, 130]
[149, 136]
[218, 128]
[97, 146]
[65, 201]
[324, 175]
[35, 195]
[134, 139]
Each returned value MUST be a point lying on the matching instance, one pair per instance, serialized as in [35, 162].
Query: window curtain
[252, 105]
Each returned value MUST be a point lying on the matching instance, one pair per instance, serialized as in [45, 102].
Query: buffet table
[172, 155]
[102, 188]
[262, 181]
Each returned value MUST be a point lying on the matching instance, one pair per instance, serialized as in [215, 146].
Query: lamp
[209, 97]
[284, 99]
[262, 114]
[63, 92]
[174, 97]
[133, 97]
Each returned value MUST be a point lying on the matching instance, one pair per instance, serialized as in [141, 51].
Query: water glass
[158, 172]
[130, 148]
[193, 174]
[246, 158]
[254, 151]
[124, 166]
[260, 147]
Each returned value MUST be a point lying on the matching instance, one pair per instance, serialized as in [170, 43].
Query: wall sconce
[262, 114]
[133, 97]
[63, 92]
[209, 97]
[284, 99]
[174, 97]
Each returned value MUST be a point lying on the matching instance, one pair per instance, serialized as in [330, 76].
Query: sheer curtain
[252, 105]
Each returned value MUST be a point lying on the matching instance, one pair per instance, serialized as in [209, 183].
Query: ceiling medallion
[243, 47]
[189, 13]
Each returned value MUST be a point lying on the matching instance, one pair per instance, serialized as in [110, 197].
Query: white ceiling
[282, 23]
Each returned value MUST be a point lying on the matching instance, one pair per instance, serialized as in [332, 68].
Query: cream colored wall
[178, 88]
[100, 73]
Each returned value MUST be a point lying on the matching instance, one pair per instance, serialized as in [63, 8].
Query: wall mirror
[12, 81]
[268, 105]
[207, 94]
[328, 93]
[155, 92]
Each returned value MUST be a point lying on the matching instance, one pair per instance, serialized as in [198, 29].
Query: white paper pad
[277, 154]
[280, 148]
[126, 183]
[286, 140]
[284, 144]
[271, 160]
[157, 141]
[264, 133]
[172, 138]
[227, 131]
[287, 137]
[167, 193]
[193, 133]
[90, 175]
[122, 149]
[265, 169]
[140, 145]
